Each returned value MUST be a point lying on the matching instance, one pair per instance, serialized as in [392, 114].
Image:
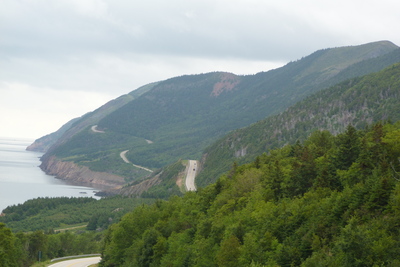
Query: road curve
[126, 160]
[191, 175]
[94, 129]
[84, 262]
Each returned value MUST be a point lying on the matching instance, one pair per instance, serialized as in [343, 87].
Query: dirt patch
[138, 189]
[227, 83]
[179, 181]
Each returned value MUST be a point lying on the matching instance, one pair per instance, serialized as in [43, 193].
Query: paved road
[124, 158]
[94, 129]
[77, 262]
[190, 175]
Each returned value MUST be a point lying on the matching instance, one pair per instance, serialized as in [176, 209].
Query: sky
[60, 59]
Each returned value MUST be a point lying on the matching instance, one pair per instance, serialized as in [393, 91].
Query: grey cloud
[195, 28]
[94, 50]
[60, 43]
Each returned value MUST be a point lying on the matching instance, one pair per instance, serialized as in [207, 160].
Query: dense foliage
[51, 213]
[23, 249]
[183, 115]
[358, 101]
[45, 228]
[325, 200]
[329, 201]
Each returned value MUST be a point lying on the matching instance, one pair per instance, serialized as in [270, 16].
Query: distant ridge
[74, 126]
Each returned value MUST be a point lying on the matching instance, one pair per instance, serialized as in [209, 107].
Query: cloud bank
[79, 53]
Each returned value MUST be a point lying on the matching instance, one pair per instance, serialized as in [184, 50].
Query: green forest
[359, 101]
[55, 227]
[328, 201]
[315, 185]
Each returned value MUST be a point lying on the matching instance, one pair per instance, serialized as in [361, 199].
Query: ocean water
[22, 179]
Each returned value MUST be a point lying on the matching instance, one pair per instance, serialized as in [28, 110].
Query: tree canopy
[327, 201]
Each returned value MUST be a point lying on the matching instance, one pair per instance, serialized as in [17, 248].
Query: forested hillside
[316, 185]
[56, 227]
[177, 118]
[53, 213]
[358, 101]
[327, 201]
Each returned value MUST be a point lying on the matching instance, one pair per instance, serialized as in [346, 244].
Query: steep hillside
[74, 126]
[44, 143]
[178, 118]
[330, 201]
[359, 101]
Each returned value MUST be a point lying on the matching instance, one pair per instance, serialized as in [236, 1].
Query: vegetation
[76, 125]
[101, 152]
[325, 196]
[23, 249]
[52, 213]
[329, 201]
[33, 236]
[168, 182]
[183, 115]
[358, 101]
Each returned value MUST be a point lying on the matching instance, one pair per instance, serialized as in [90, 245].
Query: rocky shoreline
[81, 175]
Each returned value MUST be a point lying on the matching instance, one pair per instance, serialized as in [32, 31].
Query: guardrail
[76, 256]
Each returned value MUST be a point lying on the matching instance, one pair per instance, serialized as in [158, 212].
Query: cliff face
[137, 190]
[82, 175]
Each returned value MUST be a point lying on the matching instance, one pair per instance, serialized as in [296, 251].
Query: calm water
[21, 178]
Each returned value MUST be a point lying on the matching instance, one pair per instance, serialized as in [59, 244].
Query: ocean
[22, 179]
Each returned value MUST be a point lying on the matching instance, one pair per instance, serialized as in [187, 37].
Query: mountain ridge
[359, 101]
[183, 115]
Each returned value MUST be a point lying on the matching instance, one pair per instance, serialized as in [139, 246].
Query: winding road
[94, 129]
[123, 153]
[124, 158]
[191, 175]
[84, 262]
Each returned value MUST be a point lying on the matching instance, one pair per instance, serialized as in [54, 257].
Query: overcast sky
[62, 58]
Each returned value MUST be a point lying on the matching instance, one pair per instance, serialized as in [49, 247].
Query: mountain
[44, 143]
[359, 102]
[75, 125]
[179, 117]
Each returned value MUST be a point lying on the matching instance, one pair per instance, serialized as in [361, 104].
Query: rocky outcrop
[82, 175]
[132, 190]
[137, 190]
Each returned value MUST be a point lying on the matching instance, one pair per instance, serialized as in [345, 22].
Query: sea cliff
[82, 175]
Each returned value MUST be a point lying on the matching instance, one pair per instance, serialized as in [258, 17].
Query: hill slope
[359, 101]
[76, 125]
[178, 118]
[330, 201]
